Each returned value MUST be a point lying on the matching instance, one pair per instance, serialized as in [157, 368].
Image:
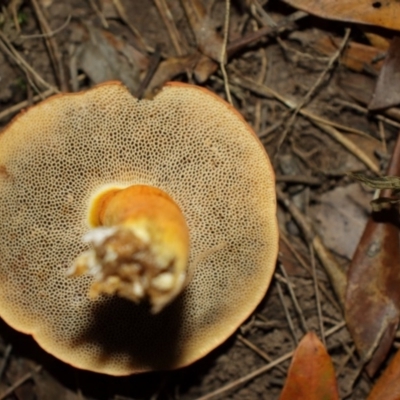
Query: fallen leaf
[356, 56]
[339, 218]
[387, 90]
[104, 57]
[381, 13]
[288, 260]
[372, 297]
[377, 41]
[170, 69]
[388, 385]
[208, 40]
[311, 374]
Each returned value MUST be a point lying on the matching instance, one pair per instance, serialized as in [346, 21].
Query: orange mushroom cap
[187, 142]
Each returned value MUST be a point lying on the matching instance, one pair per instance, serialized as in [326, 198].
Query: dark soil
[309, 164]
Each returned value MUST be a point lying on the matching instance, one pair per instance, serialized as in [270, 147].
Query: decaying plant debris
[304, 84]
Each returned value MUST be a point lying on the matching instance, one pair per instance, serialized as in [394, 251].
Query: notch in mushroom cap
[177, 185]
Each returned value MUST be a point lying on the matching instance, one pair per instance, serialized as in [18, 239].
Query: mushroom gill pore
[186, 142]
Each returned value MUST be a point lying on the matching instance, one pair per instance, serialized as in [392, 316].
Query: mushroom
[168, 202]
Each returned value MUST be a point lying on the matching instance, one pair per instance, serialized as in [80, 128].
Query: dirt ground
[310, 165]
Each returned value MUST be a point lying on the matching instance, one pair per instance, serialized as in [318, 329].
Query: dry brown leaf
[356, 56]
[208, 40]
[311, 374]
[170, 69]
[377, 41]
[369, 12]
[339, 218]
[104, 57]
[388, 385]
[372, 298]
[387, 91]
[286, 257]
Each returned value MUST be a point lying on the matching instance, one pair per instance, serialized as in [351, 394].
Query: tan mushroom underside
[187, 142]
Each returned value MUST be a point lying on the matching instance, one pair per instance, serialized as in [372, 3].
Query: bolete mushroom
[170, 200]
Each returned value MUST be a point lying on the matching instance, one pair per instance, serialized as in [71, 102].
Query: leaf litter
[312, 155]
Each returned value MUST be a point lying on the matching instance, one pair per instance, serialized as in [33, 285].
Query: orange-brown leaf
[356, 56]
[387, 91]
[379, 13]
[388, 385]
[372, 298]
[311, 374]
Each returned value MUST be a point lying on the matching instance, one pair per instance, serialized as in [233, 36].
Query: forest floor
[267, 75]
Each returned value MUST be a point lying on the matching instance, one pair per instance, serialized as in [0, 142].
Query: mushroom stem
[139, 246]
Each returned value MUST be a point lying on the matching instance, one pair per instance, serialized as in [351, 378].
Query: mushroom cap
[187, 142]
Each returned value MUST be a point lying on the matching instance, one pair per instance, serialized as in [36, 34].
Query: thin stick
[153, 65]
[336, 275]
[359, 108]
[23, 104]
[19, 382]
[99, 14]
[52, 47]
[259, 371]
[260, 352]
[316, 85]
[323, 124]
[26, 68]
[302, 179]
[317, 296]
[49, 34]
[294, 299]
[287, 314]
[284, 25]
[382, 135]
[349, 355]
[260, 79]
[122, 14]
[299, 258]
[223, 51]
[6, 356]
[173, 32]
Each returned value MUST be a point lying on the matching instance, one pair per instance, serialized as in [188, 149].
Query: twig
[265, 91]
[122, 14]
[366, 111]
[262, 17]
[14, 6]
[26, 68]
[260, 79]
[223, 51]
[153, 65]
[347, 358]
[4, 362]
[307, 268]
[260, 352]
[312, 90]
[259, 371]
[382, 135]
[99, 14]
[52, 47]
[19, 382]
[253, 37]
[23, 104]
[49, 34]
[173, 32]
[302, 179]
[337, 276]
[294, 299]
[317, 297]
[287, 314]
